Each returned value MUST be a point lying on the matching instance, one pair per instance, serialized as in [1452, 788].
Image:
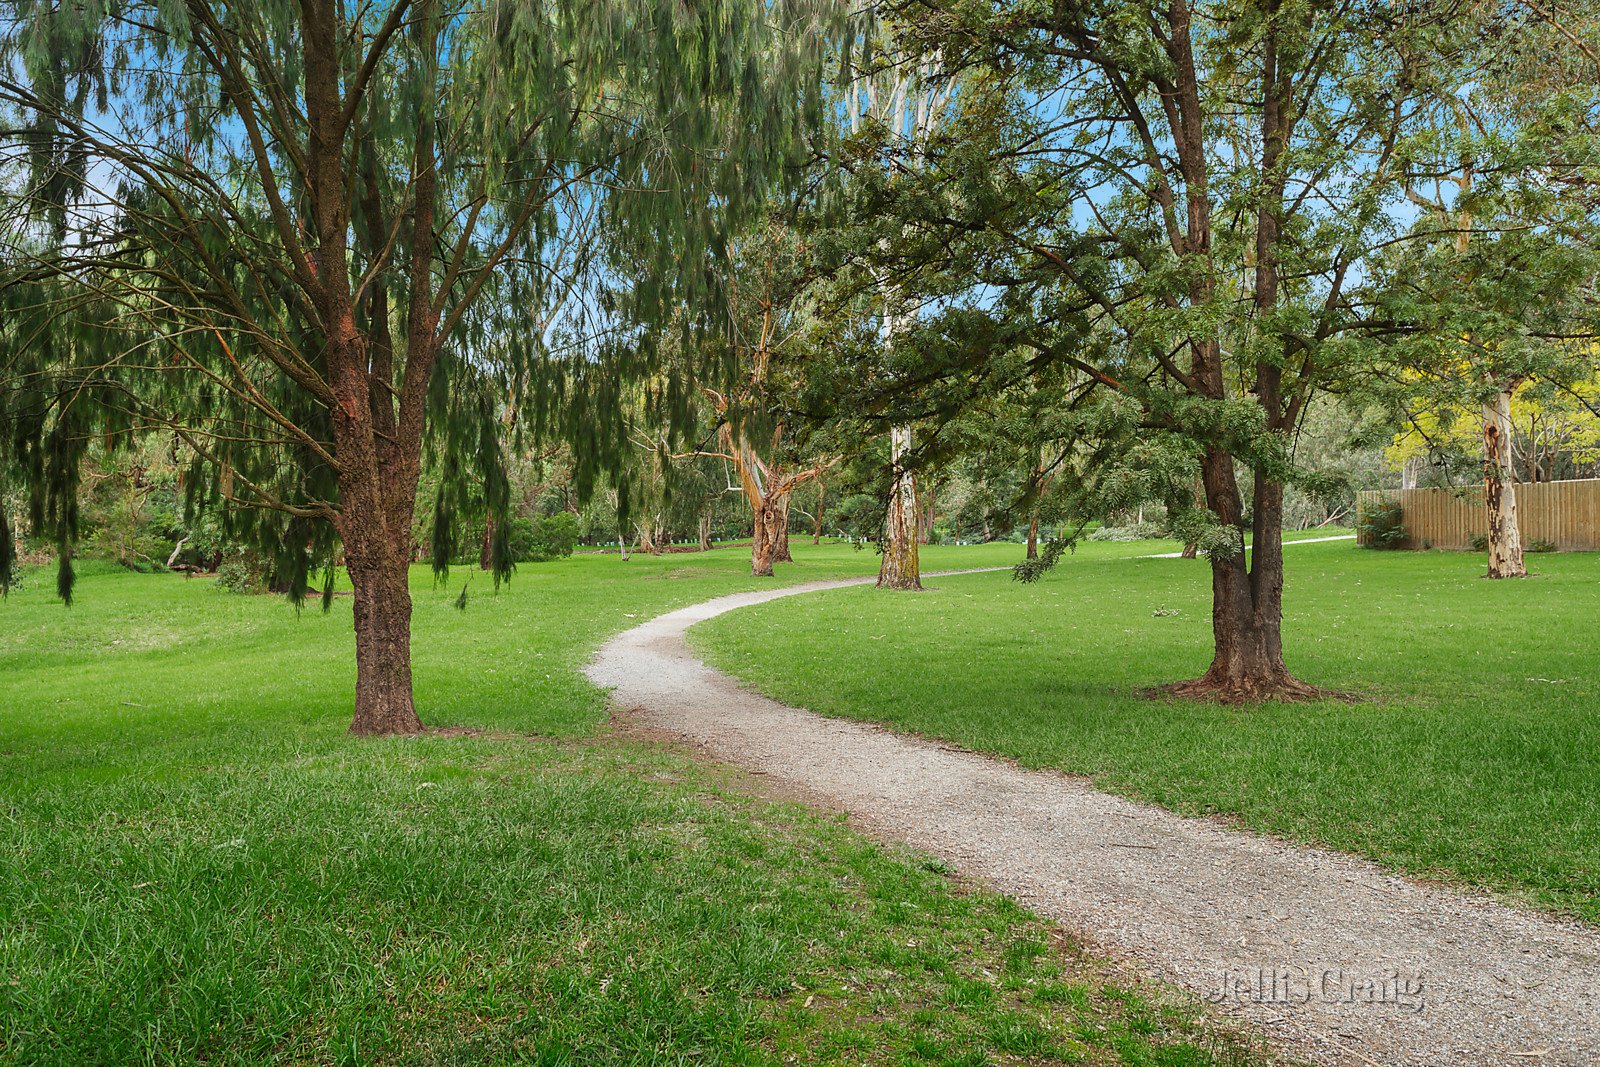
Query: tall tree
[1172, 201]
[1494, 290]
[894, 100]
[770, 318]
[276, 223]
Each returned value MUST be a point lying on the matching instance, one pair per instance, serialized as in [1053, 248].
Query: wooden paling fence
[1566, 514]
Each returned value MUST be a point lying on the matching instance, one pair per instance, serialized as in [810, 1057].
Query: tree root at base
[1278, 687]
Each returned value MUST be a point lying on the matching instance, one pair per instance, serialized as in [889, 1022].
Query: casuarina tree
[313, 239]
[1163, 211]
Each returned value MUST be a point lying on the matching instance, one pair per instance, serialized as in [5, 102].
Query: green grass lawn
[1473, 754]
[199, 866]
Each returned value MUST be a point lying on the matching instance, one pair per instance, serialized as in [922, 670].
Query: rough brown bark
[1246, 599]
[377, 428]
[705, 532]
[384, 702]
[900, 568]
[486, 549]
[374, 525]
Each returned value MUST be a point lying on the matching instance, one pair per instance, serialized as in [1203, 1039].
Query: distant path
[1191, 901]
[1286, 544]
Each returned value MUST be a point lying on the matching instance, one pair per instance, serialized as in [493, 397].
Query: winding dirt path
[1333, 959]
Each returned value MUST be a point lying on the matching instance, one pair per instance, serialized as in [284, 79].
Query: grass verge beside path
[199, 866]
[1474, 756]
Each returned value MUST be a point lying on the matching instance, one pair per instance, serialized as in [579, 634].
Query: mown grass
[198, 866]
[1471, 755]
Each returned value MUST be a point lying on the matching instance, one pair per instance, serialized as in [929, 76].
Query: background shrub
[1381, 524]
[1138, 531]
[541, 540]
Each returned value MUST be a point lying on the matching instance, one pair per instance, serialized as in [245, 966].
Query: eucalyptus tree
[893, 101]
[1496, 291]
[311, 239]
[1483, 312]
[771, 317]
[1174, 201]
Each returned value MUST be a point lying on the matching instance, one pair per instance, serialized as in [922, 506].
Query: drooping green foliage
[189, 175]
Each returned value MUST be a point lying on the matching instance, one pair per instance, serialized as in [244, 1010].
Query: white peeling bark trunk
[1500, 490]
[900, 568]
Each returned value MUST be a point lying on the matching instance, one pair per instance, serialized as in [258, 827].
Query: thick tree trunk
[705, 532]
[384, 703]
[647, 538]
[486, 550]
[1247, 592]
[1033, 536]
[763, 543]
[380, 468]
[780, 529]
[1246, 598]
[1500, 491]
[900, 568]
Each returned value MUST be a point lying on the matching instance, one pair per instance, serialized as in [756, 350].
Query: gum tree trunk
[763, 541]
[1033, 536]
[780, 528]
[900, 568]
[816, 529]
[1500, 491]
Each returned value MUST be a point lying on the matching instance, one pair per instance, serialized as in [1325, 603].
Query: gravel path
[1247, 548]
[1334, 960]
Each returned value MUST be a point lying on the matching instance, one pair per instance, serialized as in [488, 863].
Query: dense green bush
[236, 576]
[1381, 524]
[541, 540]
